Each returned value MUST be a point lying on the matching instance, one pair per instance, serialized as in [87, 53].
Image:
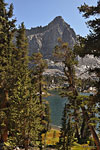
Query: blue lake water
[57, 104]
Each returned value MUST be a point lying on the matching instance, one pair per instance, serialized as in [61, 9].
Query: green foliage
[91, 45]
[66, 135]
[37, 67]
[21, 114]
[92, 41]
[82, 108]
[7, 29]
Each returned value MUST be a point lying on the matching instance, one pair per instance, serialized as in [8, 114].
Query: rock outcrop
[86, 63]
[44, 39]
[82, 70]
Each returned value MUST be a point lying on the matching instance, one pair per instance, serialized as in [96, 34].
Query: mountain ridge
[44, 39]
[40, 29]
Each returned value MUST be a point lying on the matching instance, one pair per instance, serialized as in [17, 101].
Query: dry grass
[82, 147]
[52, 137]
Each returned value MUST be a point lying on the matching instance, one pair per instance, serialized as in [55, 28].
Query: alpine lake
[57, 103]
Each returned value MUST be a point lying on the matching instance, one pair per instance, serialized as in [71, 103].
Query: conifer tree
[37, 67]
[20, 110]
[91, 45]
[26, 112]
[66, 136]
[7, 29]
[64, 53]
[79, 103]
[92, 41]
[63, 136]
[20, 92]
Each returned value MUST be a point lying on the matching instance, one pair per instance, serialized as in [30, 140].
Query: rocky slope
[44, 39]
[89, 61]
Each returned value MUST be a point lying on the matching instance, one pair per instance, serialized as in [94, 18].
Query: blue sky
[40, 12]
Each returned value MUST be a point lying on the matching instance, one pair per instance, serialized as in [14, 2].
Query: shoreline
[55, 127]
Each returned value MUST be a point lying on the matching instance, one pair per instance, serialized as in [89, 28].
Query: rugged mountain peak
[44, 39]
[58, 20]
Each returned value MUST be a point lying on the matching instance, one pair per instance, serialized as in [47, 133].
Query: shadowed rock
[44, 39]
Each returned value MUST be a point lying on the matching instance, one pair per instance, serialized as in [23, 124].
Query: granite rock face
[44, 39]
[84, 64]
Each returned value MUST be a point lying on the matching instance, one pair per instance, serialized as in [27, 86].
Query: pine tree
[37, 67]
[64, 53]
[7, 29]
[91, 45]
[20, 92]
[25, 113]
[77, 102]
[66, 136]
[63, 136]
[20, 109]
[92, 41]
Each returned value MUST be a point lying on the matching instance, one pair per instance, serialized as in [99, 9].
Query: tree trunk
[69, 74]
[40, 91]
[94, 134]
[77, 133]
[96, 139]
[76, 125]
[40, 139]
[82, 128]
[4, 134]
[4, 130]
[45, 135]
[26, 144]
